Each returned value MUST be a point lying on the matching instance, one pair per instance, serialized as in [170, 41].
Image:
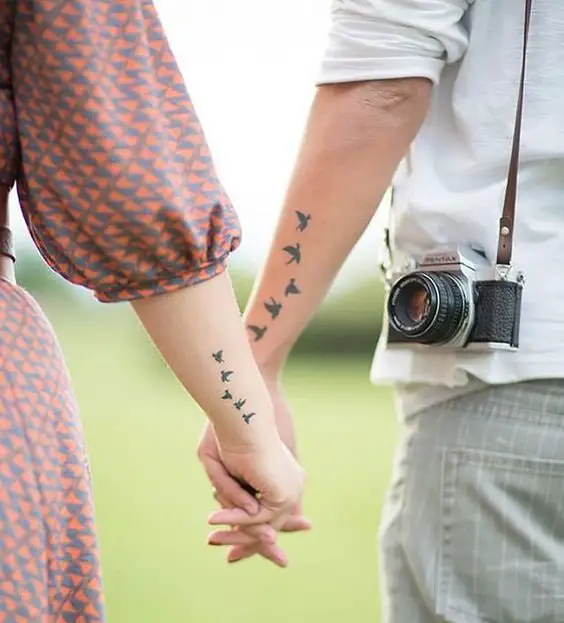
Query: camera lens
[427, 307]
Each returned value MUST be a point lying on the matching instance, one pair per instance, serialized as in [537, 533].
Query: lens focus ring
[428, 308]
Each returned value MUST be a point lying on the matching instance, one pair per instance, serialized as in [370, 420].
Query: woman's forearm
[200, 334]
[356, 136]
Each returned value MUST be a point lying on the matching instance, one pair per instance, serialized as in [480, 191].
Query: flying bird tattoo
[247, 417]
[226, 376]
[295, 253]
[219, 356]
[257, 331]
[273, 307]
[239, 404]
[303, 219]
[292, 288]
[227, 396]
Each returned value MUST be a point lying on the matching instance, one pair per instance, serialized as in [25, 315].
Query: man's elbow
[373, 107]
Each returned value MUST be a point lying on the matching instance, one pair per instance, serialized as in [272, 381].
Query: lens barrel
[428, 307]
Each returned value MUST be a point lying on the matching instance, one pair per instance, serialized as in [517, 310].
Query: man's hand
[229, 494]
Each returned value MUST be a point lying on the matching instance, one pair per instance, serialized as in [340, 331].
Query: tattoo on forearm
[258, 332]
[273, 307]
[226, 376]
[238, 403]
[247, 417]
[295, 253]
[291, 288]
[219, 356]
[303, 220]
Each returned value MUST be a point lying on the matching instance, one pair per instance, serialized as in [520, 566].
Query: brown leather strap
[505, 242]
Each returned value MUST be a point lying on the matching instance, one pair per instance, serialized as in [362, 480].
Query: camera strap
[506, 223]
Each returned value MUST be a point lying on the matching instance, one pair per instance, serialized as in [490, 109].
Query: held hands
[253, 524]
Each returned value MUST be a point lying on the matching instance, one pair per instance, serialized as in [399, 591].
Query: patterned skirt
[49, 564]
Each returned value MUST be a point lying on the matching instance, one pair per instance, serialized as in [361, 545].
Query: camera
[453, 298]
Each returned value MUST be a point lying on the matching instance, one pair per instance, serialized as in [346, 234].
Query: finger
[271, 552]
[240, 517]
[240, 537]
[262, 532]
[296, 523]
[228, 488]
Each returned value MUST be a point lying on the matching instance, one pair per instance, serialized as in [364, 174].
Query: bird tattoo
[226, 376]
[247, 417]
[239, 404]
[292, 288]
[219, 356]
[303, 219]
[227, 396]
[273, 307]
[257, 331]
[295, 253]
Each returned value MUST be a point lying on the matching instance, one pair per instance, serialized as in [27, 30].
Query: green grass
[153, 499]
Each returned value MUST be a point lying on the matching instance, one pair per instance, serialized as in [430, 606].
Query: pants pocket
[501, 556]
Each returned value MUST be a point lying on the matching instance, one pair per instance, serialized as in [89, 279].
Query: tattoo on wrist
[226, 376]
[238, 403]
[258, 332]
[303, 220]
[291, 288]
[247, 417]
[295, 253]
[219, 356]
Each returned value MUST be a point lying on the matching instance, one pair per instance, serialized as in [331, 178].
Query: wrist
[260, 435]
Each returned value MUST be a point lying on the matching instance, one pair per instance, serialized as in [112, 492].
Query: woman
[120, 195]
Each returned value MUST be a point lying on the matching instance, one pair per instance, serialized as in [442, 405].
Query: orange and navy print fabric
[113, 172]
[120, 194]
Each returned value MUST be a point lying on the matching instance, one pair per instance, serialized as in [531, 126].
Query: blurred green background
[153, 499]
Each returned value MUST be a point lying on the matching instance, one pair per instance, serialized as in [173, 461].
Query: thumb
[228, 488]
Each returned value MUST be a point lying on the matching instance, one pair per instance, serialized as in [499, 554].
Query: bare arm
[356, 136]
[199, 332]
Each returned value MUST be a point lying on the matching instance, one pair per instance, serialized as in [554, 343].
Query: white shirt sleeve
[378, 39]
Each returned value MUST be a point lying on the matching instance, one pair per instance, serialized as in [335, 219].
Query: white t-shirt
[452, 190]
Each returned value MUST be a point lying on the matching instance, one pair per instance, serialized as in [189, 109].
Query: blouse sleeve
[117, 184]
[8, 135]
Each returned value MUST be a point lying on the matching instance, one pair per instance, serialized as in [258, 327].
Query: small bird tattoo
[273, 307]
[295, 253]
[247, 417]
[219, 356]
[292, 288]
[227, 396]
[303, 219]
[226, 376]
[257, 331]
[239, 404]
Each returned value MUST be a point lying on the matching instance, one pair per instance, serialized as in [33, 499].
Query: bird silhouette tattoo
[303, 219]
[219, 356]
[292, 288]
[247, 417]
[227, 396]
[273, 307]
[295, 253]
[239, 404]
[257, 331]
[226, 376]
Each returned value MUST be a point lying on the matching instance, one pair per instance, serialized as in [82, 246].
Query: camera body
[452, 298]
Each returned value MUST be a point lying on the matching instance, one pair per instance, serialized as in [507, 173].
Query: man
[473, 528]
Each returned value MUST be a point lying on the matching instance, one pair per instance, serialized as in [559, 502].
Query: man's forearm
[355, 138]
